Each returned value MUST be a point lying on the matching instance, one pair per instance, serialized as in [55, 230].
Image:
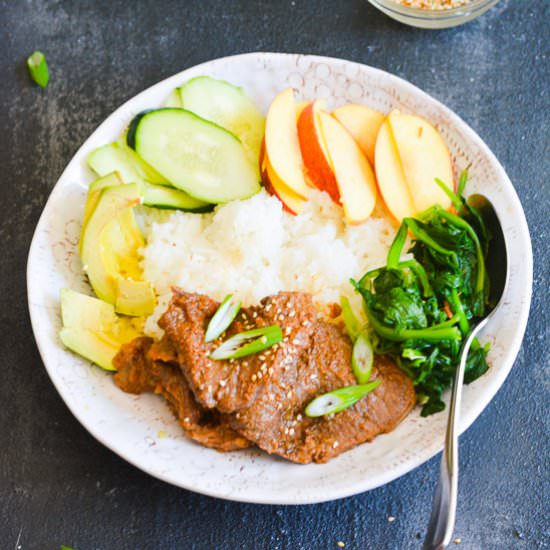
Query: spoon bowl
[442, 520]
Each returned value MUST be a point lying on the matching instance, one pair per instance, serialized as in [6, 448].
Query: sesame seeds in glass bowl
[433, 14]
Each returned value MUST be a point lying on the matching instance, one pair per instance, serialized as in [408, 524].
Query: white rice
[252, 248]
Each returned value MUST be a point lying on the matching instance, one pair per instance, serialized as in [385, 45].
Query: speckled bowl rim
[45, 318]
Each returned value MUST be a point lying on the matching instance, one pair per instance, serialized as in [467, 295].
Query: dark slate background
[57, 484]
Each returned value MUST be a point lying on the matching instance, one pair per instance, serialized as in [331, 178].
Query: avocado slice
[93, 252]
[109, 180]
[92, 329]
[134, 297]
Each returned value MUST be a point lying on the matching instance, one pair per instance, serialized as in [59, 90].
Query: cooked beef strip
[267, 392]
[276, 421]
[234, 384]
[144, 366]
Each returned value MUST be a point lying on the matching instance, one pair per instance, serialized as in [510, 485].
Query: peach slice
[353, 172]
[292, 202]
[300, 106]
[390, 176]
[424, 156]
[314, 151]
[363, 124]
[282, 145]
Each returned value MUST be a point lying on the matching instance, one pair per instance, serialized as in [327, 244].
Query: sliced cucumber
[229, 107]
[132, 169]
[194, 155]
[173, 99]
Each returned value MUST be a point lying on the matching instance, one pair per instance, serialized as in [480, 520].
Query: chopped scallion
[224, 316]
[353, 326]
[338, 400]
[38, 68]
[362, 358]
[248, 343]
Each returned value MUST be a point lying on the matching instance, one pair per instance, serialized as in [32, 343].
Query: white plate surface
[140, 428]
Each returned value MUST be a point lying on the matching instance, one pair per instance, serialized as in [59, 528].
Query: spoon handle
[442, 519]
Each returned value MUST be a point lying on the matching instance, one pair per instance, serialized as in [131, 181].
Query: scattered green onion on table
[38, 68]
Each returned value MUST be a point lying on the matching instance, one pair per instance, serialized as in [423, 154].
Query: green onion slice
[248, 343]
[353, 326]
[338, 400]
[224, 316]
[38, 68]
[362, 358]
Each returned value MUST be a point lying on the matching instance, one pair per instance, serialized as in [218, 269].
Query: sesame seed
[253, 378]
[457, 541]
[263, 367]
[238, 415]
[209, 388]
[296, 341]
[340, 544]
[291, 431]
[270, 396]
[313, 376]
[268, 307]
[391, 518]
[299, 417]
[254, 315]
[335, 444]
[288, 330]
[281, 317]
[261, 357]
[186, 419]
[278, 311]
[292, 313]
[270, 370]
[259, 373]
[223, 383]
[263, 339]
[286, 431]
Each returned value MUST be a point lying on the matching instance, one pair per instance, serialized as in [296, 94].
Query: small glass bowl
[433, 19]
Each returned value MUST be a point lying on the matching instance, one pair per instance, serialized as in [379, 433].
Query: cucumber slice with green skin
[120, 158]
[173, 99]
[194, 155]
[229, 107]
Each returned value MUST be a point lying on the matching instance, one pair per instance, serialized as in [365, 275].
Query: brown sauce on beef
[261, 398]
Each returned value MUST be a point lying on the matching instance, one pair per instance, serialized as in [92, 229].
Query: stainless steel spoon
[442, 520]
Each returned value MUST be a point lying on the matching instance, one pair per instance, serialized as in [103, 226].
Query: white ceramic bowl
[141, 429]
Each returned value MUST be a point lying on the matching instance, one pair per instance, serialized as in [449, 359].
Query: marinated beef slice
[276, 420]
[233, 385]
[266, 394]
[144, 366]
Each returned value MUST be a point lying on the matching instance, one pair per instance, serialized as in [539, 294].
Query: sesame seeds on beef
[260, 399]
